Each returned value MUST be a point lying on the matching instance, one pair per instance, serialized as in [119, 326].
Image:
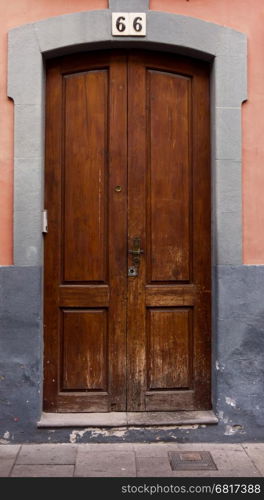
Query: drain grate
[191, 460]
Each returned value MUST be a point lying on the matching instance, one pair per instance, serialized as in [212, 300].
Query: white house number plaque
[129, 24]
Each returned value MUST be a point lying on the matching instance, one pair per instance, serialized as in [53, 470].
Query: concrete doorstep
[128, 460]
[117, 419]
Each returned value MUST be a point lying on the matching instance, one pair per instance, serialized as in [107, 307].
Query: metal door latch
[136, 252]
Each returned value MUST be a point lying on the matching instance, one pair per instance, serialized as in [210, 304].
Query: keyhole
[132, 271]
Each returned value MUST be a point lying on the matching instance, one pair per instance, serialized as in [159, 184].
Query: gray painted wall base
[238, 369]
[20, 350]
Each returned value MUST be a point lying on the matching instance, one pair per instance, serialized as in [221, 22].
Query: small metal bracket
[44, 221]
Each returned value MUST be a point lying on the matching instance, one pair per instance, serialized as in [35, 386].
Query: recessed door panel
[169, 348]
[169, 128]
[85, 242]
[84, 350]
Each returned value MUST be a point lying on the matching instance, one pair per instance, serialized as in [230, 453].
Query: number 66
[128, 24]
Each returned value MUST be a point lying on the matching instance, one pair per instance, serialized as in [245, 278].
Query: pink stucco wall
[242, 15]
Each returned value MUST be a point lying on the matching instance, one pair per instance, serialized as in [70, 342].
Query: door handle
[136, 251]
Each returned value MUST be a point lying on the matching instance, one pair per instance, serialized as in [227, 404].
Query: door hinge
[45, 221]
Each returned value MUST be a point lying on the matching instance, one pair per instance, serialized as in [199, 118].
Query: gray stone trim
[128, 5]
[119, 419]
[30, 44]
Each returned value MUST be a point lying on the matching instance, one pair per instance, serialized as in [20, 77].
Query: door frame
[31, 44]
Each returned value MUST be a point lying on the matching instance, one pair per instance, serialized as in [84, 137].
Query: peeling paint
[230, 401]
[122, 432]
[6, 438]
[115, 432]
[74, 434]
[233, 429]
[219, 366]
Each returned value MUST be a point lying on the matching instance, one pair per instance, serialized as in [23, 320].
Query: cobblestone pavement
[127, 460]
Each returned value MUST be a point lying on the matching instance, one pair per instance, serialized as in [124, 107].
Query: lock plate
[132, 271]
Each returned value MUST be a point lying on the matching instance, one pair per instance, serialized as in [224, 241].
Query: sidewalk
[128, 460]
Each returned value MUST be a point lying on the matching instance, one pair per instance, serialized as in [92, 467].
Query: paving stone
[47, 454]
[8, 455]
[256, 455]
[103, 447]
[207, 446]
[107, 464]
[151, 450]
[228, 459]
[239, 460]
[153, 467]
[43, 471]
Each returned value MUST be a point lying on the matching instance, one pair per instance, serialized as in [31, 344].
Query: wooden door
[169, 209]
[127, 166]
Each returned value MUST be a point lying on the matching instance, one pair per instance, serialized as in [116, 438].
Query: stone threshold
[121, 419]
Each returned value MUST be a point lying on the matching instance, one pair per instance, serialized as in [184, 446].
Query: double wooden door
[127, 254]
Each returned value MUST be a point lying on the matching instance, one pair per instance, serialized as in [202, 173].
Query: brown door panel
[169, 209]
[85, 250]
